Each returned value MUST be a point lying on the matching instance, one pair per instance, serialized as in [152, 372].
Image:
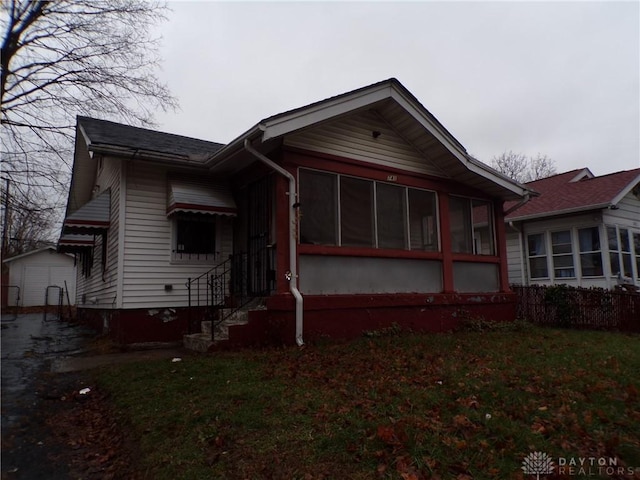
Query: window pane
[612, 238]
[461, 235]
[561, 242]
[536, 244]
[615, 263]
[391, 211]
[538, 267]
[636, 245]
[626, 263]
[356, 212]
[423, 225]
[318, 202]
[624, 240]
[591, 264]
[589, 239]
[195, 235]
[483, 228]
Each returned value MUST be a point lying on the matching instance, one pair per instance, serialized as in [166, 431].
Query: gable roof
[402, 111]
[109, 137]
[575, 191]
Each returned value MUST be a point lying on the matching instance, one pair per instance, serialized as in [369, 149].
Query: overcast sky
[561, 79]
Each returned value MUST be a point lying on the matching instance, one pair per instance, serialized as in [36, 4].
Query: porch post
[282, 233]
[445, 237]
[501, 244]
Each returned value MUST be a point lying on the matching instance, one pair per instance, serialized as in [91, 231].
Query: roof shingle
[559, 194]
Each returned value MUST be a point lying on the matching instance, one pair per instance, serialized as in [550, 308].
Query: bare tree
[524, 169]
[68, 57]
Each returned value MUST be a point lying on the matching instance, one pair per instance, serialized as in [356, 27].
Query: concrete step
[198, 342]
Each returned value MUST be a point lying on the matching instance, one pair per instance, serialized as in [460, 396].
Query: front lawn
[464, 405]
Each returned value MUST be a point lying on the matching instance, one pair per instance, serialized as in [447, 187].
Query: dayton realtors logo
[539, 463]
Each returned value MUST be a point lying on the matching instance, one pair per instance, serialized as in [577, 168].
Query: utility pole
[5, 225]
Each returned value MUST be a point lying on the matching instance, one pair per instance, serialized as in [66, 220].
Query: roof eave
[158, 157]
[623, 193]
[555, 213]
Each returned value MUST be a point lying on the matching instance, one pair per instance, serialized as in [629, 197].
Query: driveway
[29, 344]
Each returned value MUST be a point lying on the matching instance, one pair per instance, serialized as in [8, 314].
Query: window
[195, 237]
[354, 212]
[537, 256]
[620, 256]
[391, 207]
[471, 226]
[590, 252]
[636, 246]
[318, 197]
[423, 226]
[562, 253]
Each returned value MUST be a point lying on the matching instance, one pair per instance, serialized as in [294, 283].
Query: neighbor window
[620, 256]
[590, 254]
[537, 252]
[562, 253]
[636, 245]
[471, 226]
[195, 237]
[355, 212]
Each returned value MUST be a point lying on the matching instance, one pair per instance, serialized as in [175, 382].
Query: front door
[259, 254]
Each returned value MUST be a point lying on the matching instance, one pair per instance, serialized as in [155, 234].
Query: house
[349, 214]
[37, 278]
[581, 230]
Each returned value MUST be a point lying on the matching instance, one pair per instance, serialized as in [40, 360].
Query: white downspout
[292, 274]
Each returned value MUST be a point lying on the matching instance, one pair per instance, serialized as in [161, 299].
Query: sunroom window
[620, 255]
[354, 212]
[590, 252]
[471, 226]
[562, 252]
[537, 252]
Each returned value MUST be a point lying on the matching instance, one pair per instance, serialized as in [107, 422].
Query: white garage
[30, 275]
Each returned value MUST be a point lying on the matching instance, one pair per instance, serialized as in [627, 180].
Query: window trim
[635, 274]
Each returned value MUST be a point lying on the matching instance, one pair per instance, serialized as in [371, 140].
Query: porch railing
[227, 288]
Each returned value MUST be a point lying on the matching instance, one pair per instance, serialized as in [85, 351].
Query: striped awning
[72, 243]
[200, 195]
[92, 217]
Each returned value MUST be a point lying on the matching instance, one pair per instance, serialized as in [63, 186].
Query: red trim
[72, 243]
[203, 208]
[358, 168]
[501, 242]
[329, 302]
[366, 252]
[468, 257]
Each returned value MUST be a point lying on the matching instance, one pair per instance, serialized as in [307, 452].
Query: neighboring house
[349, 214]
[581, 230]
[36, 278]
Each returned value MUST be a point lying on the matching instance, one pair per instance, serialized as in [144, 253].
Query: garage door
[35, 282]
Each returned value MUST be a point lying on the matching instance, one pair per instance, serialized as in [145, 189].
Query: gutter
[526, 198]
[292, 274]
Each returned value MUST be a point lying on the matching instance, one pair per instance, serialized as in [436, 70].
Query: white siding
[515, 258]
[148, 242]
[34, 273]
[352, 137]
[99, 289]
[627, 213]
